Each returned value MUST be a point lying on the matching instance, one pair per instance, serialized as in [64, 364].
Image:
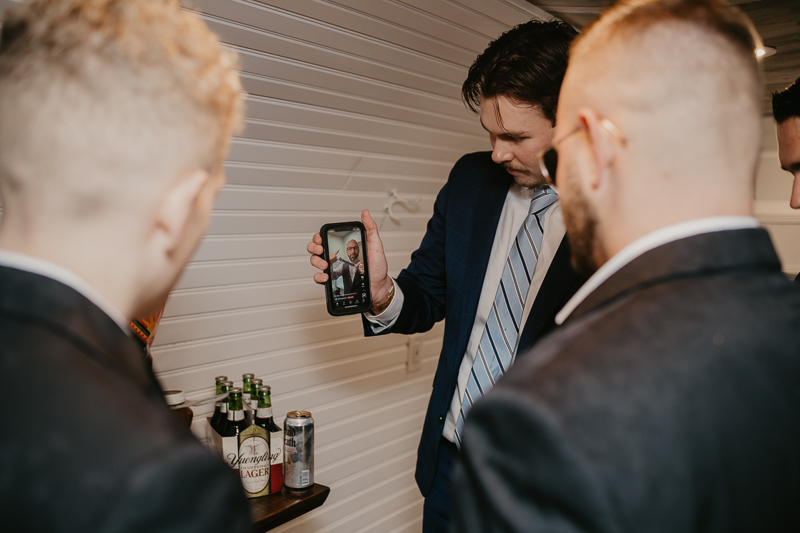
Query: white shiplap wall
[348, 99]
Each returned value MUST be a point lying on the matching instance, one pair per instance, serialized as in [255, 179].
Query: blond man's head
[118, 93]
[115, 119]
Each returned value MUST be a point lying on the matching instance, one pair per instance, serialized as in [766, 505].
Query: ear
[600, 145]
[175, 209]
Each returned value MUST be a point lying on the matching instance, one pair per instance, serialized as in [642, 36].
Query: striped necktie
[498, 345]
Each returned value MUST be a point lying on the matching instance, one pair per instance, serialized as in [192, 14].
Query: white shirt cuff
[386, 320]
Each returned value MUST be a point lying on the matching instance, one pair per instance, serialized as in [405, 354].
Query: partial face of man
[580, 218]
[789, 154]
[517, 131]
[580, 221]
[352, 251]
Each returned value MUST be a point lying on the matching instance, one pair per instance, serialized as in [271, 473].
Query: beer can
[298, 450]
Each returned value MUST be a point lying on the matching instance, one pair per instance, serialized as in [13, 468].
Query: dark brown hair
[786, 103]
[527, 63]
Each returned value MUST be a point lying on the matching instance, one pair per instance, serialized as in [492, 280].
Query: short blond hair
[100, 88]
[686, 69]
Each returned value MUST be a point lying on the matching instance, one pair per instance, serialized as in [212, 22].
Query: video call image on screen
[347, 267]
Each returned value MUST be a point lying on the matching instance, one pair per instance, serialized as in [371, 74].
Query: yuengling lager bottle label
[254, 461]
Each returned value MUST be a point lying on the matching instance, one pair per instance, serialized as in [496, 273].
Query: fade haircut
[526, 64]
[686, 68]
[632, 18]
[95, 94]
[786, 103]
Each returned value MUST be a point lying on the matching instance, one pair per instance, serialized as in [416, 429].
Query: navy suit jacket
[445, 277]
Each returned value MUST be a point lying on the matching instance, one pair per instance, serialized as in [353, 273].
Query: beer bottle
[219, 420]
[250, 410]
[218, 404]
[236, 423]
[255, 458]
[246, 385]
[265, 420]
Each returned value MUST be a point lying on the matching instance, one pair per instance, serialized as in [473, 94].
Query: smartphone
[344, 248]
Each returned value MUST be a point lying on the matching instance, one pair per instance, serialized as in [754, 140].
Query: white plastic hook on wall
[395, 198]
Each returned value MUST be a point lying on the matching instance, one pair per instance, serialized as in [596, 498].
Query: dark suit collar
[558, 285]
[731, 250]
[35, 298]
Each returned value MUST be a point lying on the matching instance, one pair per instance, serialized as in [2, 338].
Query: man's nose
[501, 152]
[794, 200]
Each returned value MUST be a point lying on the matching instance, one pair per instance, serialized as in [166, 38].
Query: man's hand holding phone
[380, 282]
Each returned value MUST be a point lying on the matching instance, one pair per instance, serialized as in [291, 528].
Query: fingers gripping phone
[344, 248]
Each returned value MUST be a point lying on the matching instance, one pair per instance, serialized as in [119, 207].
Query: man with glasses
[350, 272]
[668, 399]
[494, 261]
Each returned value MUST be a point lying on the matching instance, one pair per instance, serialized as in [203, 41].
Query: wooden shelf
[271, 511]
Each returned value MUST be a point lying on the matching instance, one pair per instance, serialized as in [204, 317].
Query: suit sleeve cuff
[386, 320]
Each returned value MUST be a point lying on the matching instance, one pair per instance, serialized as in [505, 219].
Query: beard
[528, 178]
[581, 223]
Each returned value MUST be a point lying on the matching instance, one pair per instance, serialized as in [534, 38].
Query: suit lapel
[481, 219]
[559, 284]
[348, 281]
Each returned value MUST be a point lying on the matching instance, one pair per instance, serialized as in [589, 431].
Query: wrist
[379, 304]
[381, 292]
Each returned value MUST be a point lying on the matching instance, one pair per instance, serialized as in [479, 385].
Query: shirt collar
[58, 273]
[648, 242]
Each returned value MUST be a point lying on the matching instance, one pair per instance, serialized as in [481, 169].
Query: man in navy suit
[485, 218]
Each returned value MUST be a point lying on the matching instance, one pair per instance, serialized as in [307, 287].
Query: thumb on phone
[380, 283]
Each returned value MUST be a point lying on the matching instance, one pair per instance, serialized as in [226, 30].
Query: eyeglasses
[548, 157]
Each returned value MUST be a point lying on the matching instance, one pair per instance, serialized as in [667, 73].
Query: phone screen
[348, 281]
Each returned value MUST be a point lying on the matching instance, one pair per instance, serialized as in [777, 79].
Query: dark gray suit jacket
[668, 402]
[87, 443]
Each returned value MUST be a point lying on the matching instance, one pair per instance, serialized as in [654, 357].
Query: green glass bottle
[236, 422]
[265, 420]
[220, 417]
[246, 385]
[255, 457]
[218, 404]
[250, 408]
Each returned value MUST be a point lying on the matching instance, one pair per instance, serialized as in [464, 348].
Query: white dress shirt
[515, 210]
[648, 242]
[56, 272]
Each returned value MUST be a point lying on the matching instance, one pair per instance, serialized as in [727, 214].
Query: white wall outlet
[414, 360]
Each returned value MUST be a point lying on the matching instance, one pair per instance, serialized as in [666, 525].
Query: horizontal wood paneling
[353, 160]
[349, 100]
